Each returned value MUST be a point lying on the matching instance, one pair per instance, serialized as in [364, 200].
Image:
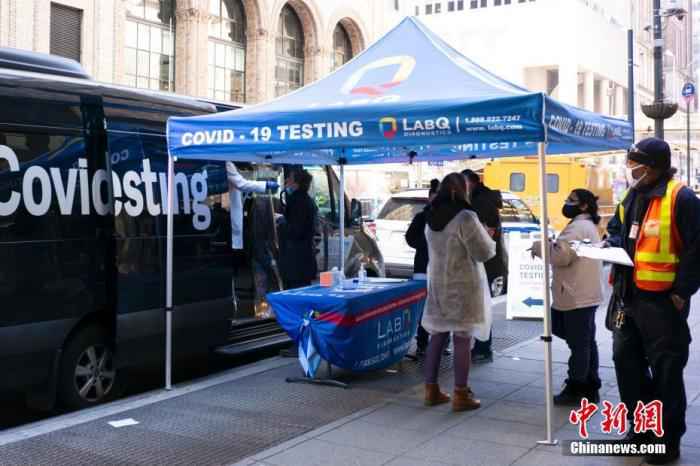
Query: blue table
[359, 330]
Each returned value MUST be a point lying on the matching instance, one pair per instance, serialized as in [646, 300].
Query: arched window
[227, 37]
[289, 72]
[150, 41]
[342, 47]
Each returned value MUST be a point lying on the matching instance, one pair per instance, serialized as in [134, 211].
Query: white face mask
[629, 175]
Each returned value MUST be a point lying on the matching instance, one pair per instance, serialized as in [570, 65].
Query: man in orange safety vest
[657, 223]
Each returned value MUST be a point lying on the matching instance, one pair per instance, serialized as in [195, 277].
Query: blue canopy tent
[408, 97]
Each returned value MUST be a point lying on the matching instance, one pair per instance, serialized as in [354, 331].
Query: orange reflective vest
[658, 243]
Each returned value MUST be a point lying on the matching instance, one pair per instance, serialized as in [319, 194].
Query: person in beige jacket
[576, 294]
[458, 245]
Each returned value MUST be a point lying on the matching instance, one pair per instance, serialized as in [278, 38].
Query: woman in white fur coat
[458, 245]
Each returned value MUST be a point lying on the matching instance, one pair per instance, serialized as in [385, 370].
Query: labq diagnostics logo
[388, 127]
[405, 65]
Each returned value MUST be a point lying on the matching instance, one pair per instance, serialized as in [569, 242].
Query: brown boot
[463, 400]
[433, 395]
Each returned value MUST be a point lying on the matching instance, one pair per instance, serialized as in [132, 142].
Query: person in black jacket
[658, 224]
[415, 237]
[296, 231]
[487, 204]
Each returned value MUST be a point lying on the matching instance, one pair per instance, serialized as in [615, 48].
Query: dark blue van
[83, 230]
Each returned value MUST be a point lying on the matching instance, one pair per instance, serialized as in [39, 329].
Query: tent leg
[341, 201]
[547, 335]
[169, 277]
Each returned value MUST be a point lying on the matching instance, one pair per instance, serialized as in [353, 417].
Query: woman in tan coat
[458, 245]
[576, 294]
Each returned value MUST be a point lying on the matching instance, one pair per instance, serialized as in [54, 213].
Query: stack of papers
[613, 255]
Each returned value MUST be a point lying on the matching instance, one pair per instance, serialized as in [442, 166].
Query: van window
[401, 209]
[517, 182]
[39, 185]
[320, 192]
[36, 107]
[516, 211]
[552, 183]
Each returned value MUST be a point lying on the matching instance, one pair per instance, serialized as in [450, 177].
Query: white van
[397, 212]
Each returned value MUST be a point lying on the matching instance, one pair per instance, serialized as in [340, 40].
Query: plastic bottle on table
[362, 273]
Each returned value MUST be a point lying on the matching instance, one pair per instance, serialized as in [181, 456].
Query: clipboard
[613, 255]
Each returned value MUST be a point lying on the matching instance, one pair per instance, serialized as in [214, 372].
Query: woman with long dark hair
[415, 238]
[576, 294]
[458, 245]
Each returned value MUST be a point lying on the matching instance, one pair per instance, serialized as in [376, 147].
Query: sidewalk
[401, 432]
[250, 416]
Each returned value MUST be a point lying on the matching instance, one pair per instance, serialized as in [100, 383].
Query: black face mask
[570, 211]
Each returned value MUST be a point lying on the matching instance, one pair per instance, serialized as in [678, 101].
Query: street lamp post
[660, 110]
[658, 67]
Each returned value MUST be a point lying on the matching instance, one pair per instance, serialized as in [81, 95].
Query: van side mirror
[355, 212]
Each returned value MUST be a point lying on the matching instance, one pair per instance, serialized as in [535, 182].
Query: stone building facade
[243, 51]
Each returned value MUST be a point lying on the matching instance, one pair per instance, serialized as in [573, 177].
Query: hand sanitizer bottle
[362, 274]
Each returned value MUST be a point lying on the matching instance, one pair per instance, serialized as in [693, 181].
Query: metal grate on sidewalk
[228, 422]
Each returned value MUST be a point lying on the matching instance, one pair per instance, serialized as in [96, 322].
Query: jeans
[577, 328]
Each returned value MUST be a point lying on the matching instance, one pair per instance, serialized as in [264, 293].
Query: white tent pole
[169, 277]
[341, 198]
[547, 336]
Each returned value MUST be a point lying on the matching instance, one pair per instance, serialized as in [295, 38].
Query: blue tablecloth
[360, 330]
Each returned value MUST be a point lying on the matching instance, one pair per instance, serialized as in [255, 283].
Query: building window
[552, 183]
[342, 47]
[517, 182]
[289, 72]
[450, 6]
[150, 41]
[474, 4]
[429, 9]
[227, 38]
[66, 28]
[460, 5]
[484, 3]
[417, 10]
[496, 2]
[506, 2]
[438, 8]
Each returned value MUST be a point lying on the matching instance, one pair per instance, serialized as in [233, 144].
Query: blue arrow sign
[532, 302]
[688, 90]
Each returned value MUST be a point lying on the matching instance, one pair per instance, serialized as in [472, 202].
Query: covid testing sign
[525, 274]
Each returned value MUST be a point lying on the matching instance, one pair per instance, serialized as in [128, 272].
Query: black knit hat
[652, 152]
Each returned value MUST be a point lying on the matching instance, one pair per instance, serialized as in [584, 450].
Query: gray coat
[576, 280]
[455, 274]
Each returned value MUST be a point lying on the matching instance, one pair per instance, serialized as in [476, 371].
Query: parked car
[397, 212]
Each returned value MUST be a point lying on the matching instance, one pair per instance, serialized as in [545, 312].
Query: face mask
[570, 211]
[629, 175]
[289, 190]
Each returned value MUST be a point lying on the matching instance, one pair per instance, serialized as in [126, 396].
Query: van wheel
[88, 375]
